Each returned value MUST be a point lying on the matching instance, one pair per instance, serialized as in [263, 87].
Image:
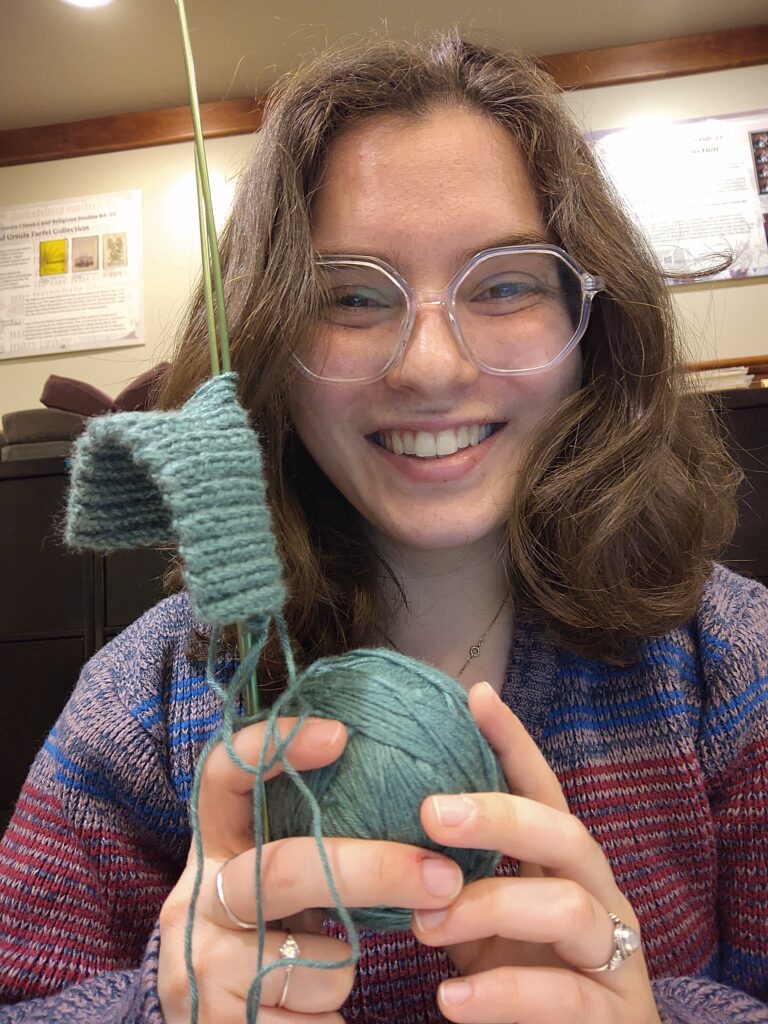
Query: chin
[432, 536]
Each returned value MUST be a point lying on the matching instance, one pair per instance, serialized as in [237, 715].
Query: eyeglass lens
[514, 311]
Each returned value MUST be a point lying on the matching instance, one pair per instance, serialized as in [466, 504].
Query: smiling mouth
[422, 444]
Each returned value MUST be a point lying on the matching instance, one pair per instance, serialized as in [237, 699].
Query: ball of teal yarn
[410, 734]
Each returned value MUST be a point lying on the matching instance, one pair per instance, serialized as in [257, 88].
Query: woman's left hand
[520, 942]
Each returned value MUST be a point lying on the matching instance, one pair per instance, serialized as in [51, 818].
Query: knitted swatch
[191, 477]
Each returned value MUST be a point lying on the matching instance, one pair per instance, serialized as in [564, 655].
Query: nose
[433, 360]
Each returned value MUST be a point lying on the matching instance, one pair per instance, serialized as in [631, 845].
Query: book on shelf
[722, 378]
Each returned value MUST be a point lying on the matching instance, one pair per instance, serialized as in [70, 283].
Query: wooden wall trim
[126, 131]
[754, 364]
[665, 58]
[587, 69]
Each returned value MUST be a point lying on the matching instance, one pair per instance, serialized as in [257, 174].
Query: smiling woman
[382, 183]
[462, 157]
[461, 362]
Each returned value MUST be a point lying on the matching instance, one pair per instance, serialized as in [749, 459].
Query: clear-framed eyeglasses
[514, 310]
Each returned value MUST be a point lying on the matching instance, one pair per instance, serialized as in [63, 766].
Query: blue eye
[362, 298]
[361, 306]
[505, 290]
[508, 290]
[504, 293]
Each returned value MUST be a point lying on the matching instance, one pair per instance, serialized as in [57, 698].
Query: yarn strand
[231, 700]
[227, 697]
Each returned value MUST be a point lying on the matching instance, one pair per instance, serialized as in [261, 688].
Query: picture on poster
[53, 257]
[71, 275]
[85, 254]
[760, 154]
[115, 250]
[698, 189]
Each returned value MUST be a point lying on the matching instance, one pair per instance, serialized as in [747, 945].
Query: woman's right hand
[366, 873]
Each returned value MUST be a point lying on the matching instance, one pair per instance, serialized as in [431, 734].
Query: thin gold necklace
[474, 650]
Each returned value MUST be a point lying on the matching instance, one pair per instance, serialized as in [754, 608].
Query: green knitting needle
[208, 239]
[216, 312]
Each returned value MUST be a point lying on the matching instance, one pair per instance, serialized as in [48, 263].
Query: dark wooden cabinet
[46, 589]
[744, 415]
[36, 677]
[57, 607]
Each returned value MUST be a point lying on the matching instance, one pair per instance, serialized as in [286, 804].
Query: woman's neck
[444, 602]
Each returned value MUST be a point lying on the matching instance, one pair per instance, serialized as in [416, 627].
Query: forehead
[396, 187]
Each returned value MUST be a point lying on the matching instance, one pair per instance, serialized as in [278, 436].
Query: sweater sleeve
[700, 1001]
[115, 997]
[733, 751]
[96, 842]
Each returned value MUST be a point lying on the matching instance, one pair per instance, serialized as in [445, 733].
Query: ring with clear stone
[626, 941]
[288, 951]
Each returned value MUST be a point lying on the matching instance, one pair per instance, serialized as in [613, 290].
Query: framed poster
[699, 190]
[70, 275]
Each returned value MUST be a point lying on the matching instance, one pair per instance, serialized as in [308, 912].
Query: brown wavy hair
[626, 495]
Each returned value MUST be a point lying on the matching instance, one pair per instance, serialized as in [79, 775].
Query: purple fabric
[666, 762]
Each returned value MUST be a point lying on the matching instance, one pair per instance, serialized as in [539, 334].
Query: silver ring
[626, 941]
[288, 951]
[247, 926]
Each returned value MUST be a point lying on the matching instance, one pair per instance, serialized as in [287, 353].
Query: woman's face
[422, 194]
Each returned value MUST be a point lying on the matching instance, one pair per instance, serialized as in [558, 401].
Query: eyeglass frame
[591, 285]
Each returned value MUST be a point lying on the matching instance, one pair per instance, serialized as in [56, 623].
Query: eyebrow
[527, 238]
[460, 257]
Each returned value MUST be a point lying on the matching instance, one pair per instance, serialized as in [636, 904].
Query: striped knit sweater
[666, 762]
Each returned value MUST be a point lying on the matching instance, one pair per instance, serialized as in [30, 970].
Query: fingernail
[487, 686]
[455, 992]
[321, 732]
[442, 877]
[452, 810]
[427, 919]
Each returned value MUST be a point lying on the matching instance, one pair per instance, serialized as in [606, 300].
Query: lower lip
[442, 468]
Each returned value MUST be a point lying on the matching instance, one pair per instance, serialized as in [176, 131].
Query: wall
[165, 175]
[723, 320]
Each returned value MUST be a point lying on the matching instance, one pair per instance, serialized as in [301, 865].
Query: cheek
[320, 414]
[541, 394]
[566, 381]
[310, 410]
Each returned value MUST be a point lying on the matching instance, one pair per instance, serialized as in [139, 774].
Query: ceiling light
[88, 3]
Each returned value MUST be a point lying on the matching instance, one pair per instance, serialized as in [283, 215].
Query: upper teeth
[425, 445]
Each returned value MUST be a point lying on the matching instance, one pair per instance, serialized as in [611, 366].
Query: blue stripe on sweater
[182, 783]
[710, 968]
[75, 777]
[194, 723]
[181, 734]
[641, 711]
[186, 688]
[671, 656]
[146, 705]
[739, 963]
[149, 720]
[733, 712]
[716, 648]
